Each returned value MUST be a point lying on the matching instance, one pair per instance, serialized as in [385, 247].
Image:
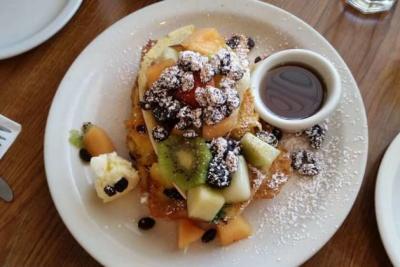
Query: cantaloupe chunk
[234, 230]
[154, 71]
[188, 233]
[97, 141]
[221, 128]
[206, 41]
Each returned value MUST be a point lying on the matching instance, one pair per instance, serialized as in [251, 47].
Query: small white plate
[387, 201]
[24, 24]
[97, 88]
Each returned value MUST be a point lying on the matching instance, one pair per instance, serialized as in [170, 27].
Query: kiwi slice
[184, 161]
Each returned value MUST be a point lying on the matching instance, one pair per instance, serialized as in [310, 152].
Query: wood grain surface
[31, 231]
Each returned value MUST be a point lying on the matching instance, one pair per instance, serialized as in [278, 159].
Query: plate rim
[41, 36]
[383, 201]
[107, 261]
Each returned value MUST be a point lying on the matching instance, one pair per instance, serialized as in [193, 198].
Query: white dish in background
[287, 230]
[24, 24]
[387, 200]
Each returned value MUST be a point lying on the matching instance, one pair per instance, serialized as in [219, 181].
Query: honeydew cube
[204, 203]
[257, 152]
[239, 190]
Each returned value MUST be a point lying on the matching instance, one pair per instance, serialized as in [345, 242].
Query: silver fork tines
[4, 129]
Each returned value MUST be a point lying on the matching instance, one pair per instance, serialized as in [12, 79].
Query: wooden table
[32, 233]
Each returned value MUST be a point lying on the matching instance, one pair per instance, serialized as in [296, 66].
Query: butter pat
[115, 176]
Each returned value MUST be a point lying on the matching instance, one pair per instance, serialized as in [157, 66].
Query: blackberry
[159, 133]
[191, 61]
[268, 138]
[121, 185]
[233, 42]
[222, 60]
[109, 190]
[250, 43]
[234, 146]
[170, 78]
[218, 174]
[236, 71]
[160, 114]
[219, 147]
[305, 163]
[146, 223]
[316, 136]
[173, 193]
[257, 59]
[145, 105]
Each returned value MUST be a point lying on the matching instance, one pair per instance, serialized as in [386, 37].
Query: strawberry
[188, 97]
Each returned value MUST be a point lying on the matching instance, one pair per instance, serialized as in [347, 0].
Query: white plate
[24, 24]
[288, 229]
[387, 200]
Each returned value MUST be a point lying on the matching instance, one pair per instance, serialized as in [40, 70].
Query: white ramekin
[316, 62]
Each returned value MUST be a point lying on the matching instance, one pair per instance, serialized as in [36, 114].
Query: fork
[9, 131]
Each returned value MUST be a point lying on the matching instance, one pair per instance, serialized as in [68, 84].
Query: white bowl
[316, 62]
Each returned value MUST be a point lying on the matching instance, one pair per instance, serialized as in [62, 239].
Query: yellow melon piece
[97, 142]
[156, 175]
[234, 230]
[188, 233]
[206, 41]
[221, 128]
[154, 71]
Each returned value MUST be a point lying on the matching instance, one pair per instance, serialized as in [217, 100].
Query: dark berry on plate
[159, 133]
[316, 136]
[109, 190]
[305, 163]
[141, 128]
[146, 223]
[85, 155]
[250, 43]
[233, 42]
[268, 138]
[218, 174]
[173, 193]
[209, 235]
[121, 185]
[278, 133]
[233, 146]
[257, 59]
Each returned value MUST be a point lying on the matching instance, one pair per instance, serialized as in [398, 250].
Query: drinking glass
[371, 6]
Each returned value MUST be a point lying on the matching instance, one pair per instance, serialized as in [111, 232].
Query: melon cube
[234, 230]
[204, 203]
[188, 233]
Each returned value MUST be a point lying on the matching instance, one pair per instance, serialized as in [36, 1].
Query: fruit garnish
[204, 203]
[155, 70]
[184, 161]
[189, 96]
[239, 190]
[96, 141]
[257, 152]
[234, 230]
[188, 233]
[206, 41]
